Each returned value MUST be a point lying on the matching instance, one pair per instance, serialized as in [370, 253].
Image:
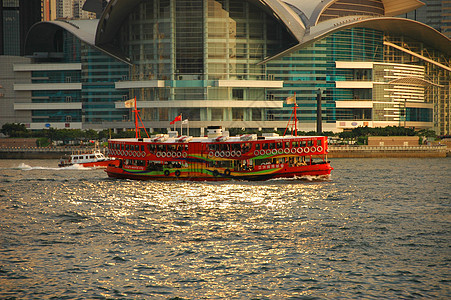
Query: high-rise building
[436, 13]
[64, 9]
[16, 18]
[48, 10]
[446, 18]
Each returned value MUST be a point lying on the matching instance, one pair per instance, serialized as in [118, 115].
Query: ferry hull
[319, 170]
[97, 164]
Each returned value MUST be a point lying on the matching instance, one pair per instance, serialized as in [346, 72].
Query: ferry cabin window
[273, 145]
[257, 146]
[287, 144]
[265, 146]
[142, 147]
[303, 143]
[318, 142]
[279, 145]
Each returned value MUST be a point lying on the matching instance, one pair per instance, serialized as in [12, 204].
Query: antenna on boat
[137, 127]
[294, 123]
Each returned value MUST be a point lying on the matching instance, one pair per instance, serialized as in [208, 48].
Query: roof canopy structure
[300, 17]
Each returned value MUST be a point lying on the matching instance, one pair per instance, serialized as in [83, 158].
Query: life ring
[143, 153]
[238, 153]
[221, 154]
[293, 150]
[184, 154]
[313, 149]
[211, 154]
[262, 152]
[233, 153]
[158, 154]
[300, 150]
[179, 154]
[280, 151]
[217, 153]
[256, 152]
[134, 153]
[319, 149]
[163, 154]
[286, 150]
[177, 173]
[307, 150]
[227, 153]
[268, 152]
[227, 172]
[166, 173]
[274, 151]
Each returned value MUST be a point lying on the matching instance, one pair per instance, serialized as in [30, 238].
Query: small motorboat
[92, 159]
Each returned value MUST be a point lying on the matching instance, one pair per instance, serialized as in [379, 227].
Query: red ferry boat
[217, 156]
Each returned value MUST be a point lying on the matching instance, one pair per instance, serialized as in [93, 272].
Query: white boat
[91, 159]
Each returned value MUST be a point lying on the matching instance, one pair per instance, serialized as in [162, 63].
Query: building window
[68, 118]
[68, 79]
[237, 94]
[68, 99]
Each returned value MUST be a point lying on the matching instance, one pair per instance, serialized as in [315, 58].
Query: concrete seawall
[387, 151]
[334, 152]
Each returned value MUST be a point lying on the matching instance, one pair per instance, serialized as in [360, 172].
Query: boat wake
[26, 167]
[304, 178]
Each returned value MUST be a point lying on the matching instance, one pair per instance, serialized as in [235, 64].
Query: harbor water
[376, 229]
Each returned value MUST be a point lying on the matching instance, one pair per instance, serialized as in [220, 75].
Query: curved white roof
[300, 17]
[312, 9]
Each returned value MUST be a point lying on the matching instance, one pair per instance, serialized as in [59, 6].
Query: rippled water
[378, 228]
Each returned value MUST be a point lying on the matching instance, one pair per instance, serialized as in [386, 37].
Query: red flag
[178, 118]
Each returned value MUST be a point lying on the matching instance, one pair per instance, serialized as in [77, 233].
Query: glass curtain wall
[312, 69]
[99, 73]
[191, 44]
[439, 95]
[69, 52]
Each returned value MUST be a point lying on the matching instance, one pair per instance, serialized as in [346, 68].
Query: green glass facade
[312, 68]
[98, 76]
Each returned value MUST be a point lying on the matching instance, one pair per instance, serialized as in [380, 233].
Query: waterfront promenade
[334, 151]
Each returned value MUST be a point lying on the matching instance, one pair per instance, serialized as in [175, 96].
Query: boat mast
[292, 100]
[137, 127]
